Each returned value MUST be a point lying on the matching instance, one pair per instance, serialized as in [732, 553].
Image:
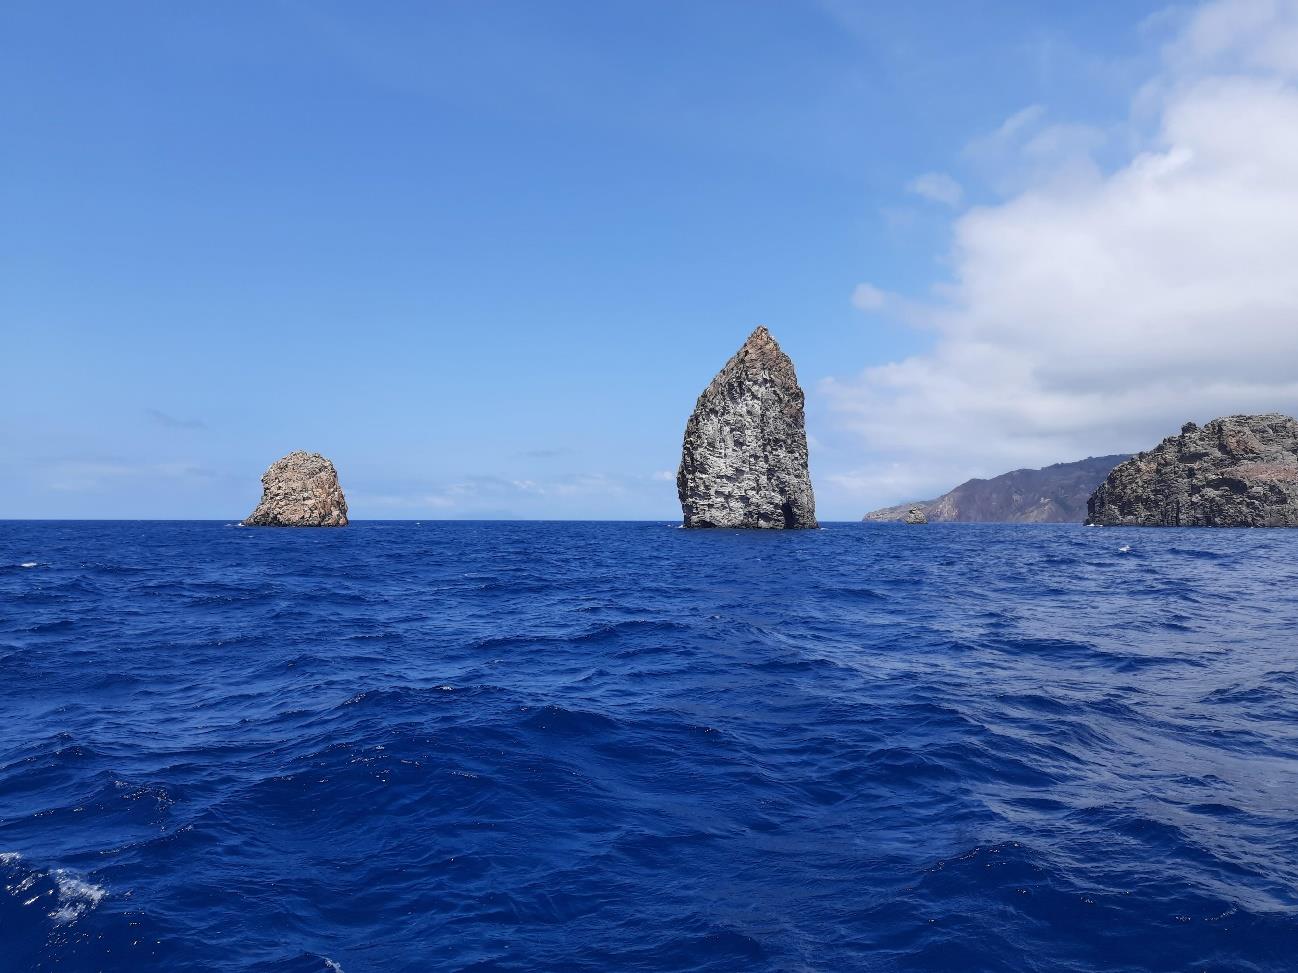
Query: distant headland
[1051, 495]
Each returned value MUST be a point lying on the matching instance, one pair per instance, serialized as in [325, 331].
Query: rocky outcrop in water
[744, 460]
[914, 516]
[1238, 471]
[1052, 495]
[300, 490]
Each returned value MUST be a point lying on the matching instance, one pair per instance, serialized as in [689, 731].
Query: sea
[627, 746]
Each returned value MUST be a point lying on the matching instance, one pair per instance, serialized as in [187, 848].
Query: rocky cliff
[1052, 495]
[1238, 471]
[744, 460]
[300, 490]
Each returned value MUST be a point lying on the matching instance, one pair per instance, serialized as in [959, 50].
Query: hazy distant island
[1051, 495]
[1236, 471]
[744, 457]
[300, 490]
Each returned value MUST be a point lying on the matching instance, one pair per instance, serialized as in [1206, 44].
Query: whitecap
[334, 967]
[30, 564]
[9, 857]
[76, 897]
[1124, 548]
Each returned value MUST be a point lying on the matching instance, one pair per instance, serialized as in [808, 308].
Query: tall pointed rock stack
[300, 490]
[744, 462]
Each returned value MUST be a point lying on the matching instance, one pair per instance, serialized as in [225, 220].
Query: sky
[485, 255]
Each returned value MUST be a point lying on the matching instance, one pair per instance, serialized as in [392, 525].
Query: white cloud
[1093, 312]
[1261, 35]
[579, 495]
[400, 501]
[937, 187]
[1028, 151]
[1007, 136]
[70, 475]
[867, 297]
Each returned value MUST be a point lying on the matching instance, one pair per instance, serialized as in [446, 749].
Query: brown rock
[300, 490]
[1237, 471]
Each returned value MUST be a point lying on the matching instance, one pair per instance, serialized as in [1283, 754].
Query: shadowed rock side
[1052, 495]
[1238, 471]
[300, 490]
[744, 460]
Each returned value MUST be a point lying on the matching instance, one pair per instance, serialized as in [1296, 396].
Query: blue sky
[485, 255]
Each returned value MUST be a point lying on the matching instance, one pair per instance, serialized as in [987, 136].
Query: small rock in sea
[1237, 471]
[744, 459]
[915, 516]
[300, 490]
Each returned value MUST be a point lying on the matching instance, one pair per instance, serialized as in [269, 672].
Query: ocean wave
[37, 899]
[601, 747]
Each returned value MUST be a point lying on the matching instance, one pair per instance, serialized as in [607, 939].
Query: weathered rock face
[1239, 471]
[300, 490]
[1051, 495]
[914, 516]
[744, 462]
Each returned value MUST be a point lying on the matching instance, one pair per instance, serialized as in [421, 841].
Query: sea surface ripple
[625, 746]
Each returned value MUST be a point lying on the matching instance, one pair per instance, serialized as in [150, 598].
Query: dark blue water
[608, 747]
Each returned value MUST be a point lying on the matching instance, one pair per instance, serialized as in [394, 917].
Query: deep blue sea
[626, 746]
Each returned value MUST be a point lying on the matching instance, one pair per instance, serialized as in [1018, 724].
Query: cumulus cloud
[1253, 34]
[1094, 311]
[937, 187]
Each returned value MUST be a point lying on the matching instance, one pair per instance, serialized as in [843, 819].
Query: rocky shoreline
[1236, 471]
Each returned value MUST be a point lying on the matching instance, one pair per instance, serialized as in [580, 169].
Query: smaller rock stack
[915, 516]
[300, 490]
